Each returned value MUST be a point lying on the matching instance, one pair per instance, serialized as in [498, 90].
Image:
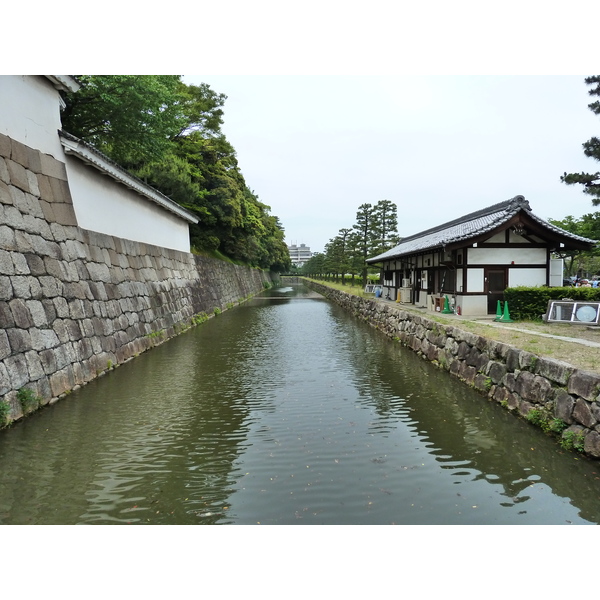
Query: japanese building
[474, 258]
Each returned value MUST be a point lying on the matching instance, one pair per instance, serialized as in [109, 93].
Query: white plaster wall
[505, 256]
[101, 204]
[459, 280]
[471, 306]
[30, 112]
[498, 238]
[529, 277]
[474, 280]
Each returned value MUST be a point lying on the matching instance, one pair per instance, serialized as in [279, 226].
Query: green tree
[314, 266]
[578, 261]
[169, 134]
[386, 226]
[591, 148]
[130, 118]
[367, 235]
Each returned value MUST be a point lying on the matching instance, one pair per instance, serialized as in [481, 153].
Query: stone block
[582, 414]
[7, 266]
[4, 380]
[33, 184]
[584, 384]
[34, 366]
[43, 339]
[18, 373]
[554, 370]
[64, 214]
[19, 153]
[52, 167]
[5, 196]
[18, 175]
[45, 189]
[6, 316]
[6, 290]
[48, 361]
[20, 313]
[37, 312]
[49, 309]
[59, 383]
[19, 340]
[5, 349]
[20, 264]
[7, 238]
[13, 217]
[23, 241]
[513, 359]
[44, 247]
[496, 371]
[21, 286]
[35, 264]
[563, 406]
[591, 444]
[34, 160]
[51, 286]
[5, 146]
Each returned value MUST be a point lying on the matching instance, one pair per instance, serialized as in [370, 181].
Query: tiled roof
[469, 226]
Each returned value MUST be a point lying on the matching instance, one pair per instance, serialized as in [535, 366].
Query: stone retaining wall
[74, 303]
[550, 393]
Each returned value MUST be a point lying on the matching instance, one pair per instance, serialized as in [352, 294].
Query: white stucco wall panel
[528, 277]
[475, 280]
[103, 205]
[30, 108]
[471, 306]
[505, 256]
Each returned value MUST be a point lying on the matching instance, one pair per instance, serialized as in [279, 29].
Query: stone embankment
[74, 303]
[551, 394]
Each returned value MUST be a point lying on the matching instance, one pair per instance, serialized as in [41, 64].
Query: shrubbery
[532, 302]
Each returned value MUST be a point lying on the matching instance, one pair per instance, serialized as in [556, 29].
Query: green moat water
[286, 410]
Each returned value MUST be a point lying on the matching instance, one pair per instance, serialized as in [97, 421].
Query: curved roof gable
[471, 226]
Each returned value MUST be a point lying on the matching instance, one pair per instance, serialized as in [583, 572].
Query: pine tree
[591, 148]
[386, 225]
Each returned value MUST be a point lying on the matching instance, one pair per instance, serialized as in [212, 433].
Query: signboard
[568, 311]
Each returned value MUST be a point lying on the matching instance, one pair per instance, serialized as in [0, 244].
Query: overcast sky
[314, 148]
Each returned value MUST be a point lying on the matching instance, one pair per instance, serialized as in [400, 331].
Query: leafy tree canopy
[169, 134]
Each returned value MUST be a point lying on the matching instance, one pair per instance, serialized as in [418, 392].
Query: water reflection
[286, 410]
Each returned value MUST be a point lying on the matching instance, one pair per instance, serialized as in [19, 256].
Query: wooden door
[495, 284]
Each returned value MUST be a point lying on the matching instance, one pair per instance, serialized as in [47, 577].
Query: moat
[286, 410]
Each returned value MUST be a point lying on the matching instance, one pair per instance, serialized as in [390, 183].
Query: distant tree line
[374, 232]
[168, 134]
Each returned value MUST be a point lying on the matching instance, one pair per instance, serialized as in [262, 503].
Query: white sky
[441, 107]
[316, 147]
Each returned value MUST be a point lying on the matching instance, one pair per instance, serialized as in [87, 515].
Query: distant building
[300, 255]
